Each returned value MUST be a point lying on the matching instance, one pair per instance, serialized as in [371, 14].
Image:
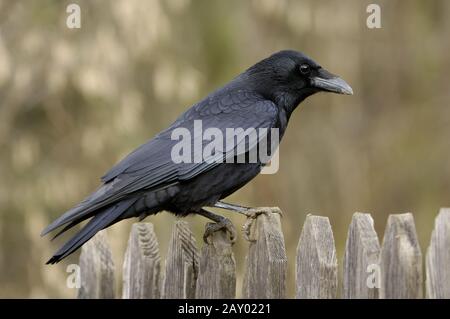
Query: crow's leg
[220, 223]
[250, 212]
[233, 207]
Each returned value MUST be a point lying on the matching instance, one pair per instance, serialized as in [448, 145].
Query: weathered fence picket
[266, 261]
[392, 271]
[361, 258]
[316, 266]
[181, 263]
[96, 269]
[438, 258]
[217, 270]
[401, 260]
[142, 265]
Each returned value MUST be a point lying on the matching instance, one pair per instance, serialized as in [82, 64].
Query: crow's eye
[305, 69]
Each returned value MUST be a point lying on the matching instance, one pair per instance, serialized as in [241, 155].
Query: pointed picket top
[361, 257]
[96, 269]
[316, 265]
[266, 261]
[142, 265]
[401, 260]
[181, 263]
[217, 269]
[438, 258]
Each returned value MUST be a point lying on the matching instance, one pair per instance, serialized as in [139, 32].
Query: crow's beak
[327, 81]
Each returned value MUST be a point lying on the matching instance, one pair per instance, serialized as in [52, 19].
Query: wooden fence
[370, 270]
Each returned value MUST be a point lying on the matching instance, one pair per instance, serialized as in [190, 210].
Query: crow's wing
[151, 164]
[151, 167]
[233, 109]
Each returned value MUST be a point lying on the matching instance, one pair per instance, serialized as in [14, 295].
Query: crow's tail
[101, 220]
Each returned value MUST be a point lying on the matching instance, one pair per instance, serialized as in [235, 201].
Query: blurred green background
[75, 101]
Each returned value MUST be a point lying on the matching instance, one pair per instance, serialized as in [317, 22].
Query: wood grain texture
[142, 265]
[96, 269]
[401, 260]
[217, 271]
[316, 265]
[362, 252]
[181, 266]
[266, 262]
[438, 258]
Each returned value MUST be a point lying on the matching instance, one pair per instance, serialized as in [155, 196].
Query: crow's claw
[224, 224]
[252, 214]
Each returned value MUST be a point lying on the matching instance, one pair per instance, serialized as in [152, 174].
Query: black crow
[149, 180]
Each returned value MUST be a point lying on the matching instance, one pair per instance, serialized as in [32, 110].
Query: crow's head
[288, 77]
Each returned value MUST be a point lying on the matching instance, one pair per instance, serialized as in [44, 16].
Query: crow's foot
[223, 224]
[252, 214]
